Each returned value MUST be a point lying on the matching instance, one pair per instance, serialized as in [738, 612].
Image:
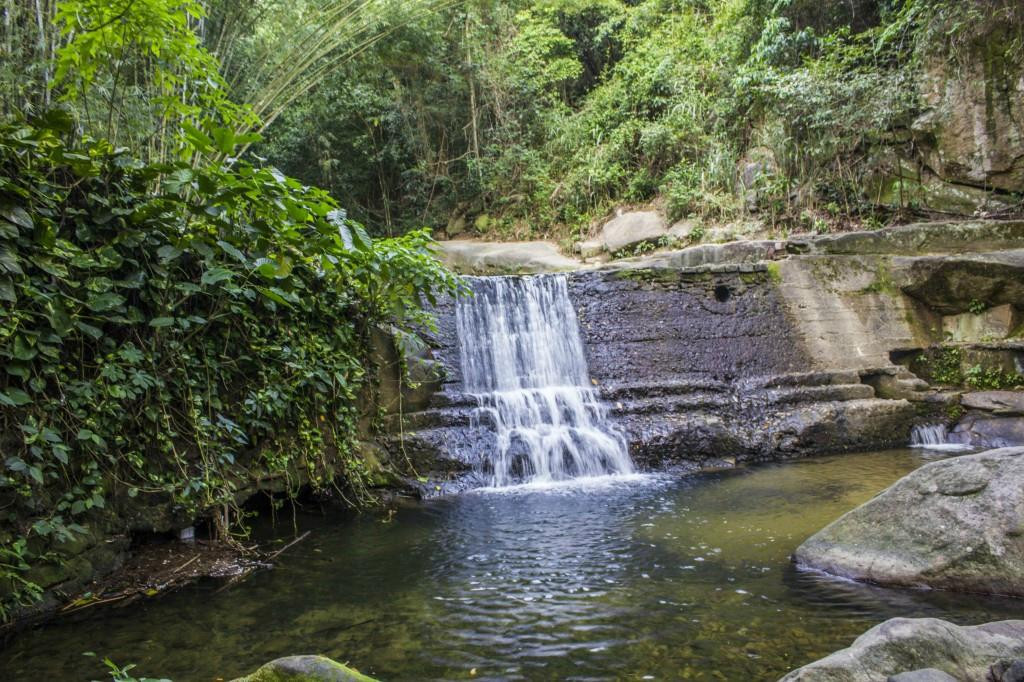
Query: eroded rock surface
[955, 524]
[913, 645]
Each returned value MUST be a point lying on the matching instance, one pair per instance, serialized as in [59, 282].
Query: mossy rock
[305, 669]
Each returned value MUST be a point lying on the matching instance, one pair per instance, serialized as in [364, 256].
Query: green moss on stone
[650, 275]
[883, 283]
[305, 669]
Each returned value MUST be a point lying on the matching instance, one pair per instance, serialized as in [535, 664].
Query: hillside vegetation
[520, 119]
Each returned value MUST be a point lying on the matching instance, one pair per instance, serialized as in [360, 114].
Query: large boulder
[305, 669]
[955, 524]
[905, 645]
[471, 257]
[633, 228]
[988, 431]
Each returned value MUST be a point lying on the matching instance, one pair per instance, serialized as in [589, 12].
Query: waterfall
[934, 437]
[522, 357]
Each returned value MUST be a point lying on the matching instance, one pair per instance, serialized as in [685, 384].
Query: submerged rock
[305, 669]
[956, 524]
[918, 649]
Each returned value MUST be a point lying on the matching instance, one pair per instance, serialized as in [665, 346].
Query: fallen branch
[185, 564]
[293, 542]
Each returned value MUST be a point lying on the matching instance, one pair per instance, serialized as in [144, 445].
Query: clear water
[616, 578]
[522, 357]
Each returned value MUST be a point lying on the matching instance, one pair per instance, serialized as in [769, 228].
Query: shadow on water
[613, 579]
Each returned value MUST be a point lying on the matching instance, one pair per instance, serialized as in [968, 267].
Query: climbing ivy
[176, 331]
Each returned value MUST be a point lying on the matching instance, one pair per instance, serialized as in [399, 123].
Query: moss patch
[305, 669]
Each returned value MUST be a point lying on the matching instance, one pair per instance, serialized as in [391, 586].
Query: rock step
[667, 405]
[641, 391]
[801, 379]
[816, 394]
[428, 419]
[452, 399]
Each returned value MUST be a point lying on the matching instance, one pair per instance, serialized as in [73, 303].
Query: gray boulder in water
[920, 649]
[955, 524]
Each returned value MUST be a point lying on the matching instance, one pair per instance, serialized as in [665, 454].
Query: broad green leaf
[215, 275]
[196, 137]
[168, 253]
[360, 237]
[16, 215]
[274, 295]
[23, 350]
[104, 302]
[9, 262]
[59, 319]
[7, 292]
[161, 322]
[232, 251]
[14, 397]
[88, 329]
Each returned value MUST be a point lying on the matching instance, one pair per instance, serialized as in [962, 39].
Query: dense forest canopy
[529, 117]
[533, 118]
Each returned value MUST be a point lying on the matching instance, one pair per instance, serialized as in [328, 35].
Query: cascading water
[522, 358]
[934, 437]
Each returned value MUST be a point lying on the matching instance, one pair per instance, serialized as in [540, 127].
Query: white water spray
[934, 437]
[522, 358]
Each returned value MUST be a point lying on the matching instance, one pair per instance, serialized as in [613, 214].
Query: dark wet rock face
[922, 650]
[660, 327]
[956, 524]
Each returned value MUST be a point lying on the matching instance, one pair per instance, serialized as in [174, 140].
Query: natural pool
[654, 577]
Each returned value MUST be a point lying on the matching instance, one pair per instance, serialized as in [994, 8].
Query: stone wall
[662, 326]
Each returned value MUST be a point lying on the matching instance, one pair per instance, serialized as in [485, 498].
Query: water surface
[650, 577]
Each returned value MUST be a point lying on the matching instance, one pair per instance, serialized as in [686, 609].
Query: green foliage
[946, 366]
[991, 378]
[183, 342]
[123, 673]
[546, 114]
[976, 307]
[141, 65]
[943, 366]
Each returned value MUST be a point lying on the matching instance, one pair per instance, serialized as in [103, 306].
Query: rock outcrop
[632, 228]
[951, 284]
[972, 129]
[955, 524]
[504, 258]
[305, 669]
[982, 430]
[1005, 402]
[904, 649]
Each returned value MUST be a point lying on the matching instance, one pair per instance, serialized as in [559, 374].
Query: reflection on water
[646, 578]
